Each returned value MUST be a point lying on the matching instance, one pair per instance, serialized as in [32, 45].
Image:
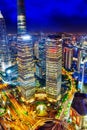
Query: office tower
[75, 58]
[82, 81]
[79, 58]
[42, 57]
[36, 49]
[25, 55]
[68, 57]
[84, 42]
[66, 41]
[12, 40]
[40, 60]
[36, 57]
[41, 63]
[53, 67]
[5, 60]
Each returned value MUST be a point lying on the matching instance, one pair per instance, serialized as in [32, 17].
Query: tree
[37, 84]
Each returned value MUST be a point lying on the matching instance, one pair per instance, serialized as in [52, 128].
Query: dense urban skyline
[43, 76]
[48, 15]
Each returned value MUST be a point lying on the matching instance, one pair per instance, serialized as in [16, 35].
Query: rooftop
[79, 103]
[53, 125]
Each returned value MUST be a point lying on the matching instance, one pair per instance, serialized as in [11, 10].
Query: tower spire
[21, 17]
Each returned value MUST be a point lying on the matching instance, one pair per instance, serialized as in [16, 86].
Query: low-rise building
[78, 111]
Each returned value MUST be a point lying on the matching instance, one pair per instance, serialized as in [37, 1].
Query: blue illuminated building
[12, 40]
[5, 57]
[40, 64]
[76, 56]
[82, 84]
[12, 73]
[42, 57]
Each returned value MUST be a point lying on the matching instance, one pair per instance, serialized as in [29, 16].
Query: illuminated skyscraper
[68, 57]
[42, 57]
[79, 59]
[36, 49]
[5, 59]
[53, 67]
[25, 55]
[82, 82]
[12, 39]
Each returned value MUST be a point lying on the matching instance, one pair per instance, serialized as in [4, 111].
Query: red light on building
[73, 38]
[53, 50]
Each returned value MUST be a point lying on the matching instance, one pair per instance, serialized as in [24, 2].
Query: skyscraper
[25, 55]
[79, 59]
[42, 57]
[5, 59]
[53, 67]
[82, 81]
[12, 40]
[68, 57]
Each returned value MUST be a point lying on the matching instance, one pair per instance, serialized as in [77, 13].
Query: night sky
[48, 15]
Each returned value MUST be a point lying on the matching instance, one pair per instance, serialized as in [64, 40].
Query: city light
[8, 71]
[41, 110]
[26, 37]
[43, 77]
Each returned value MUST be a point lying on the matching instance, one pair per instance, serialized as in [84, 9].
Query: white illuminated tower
[5, 58]
[25, 55]
[53, 67]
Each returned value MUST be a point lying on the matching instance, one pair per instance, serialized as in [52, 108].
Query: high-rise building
[67, 57]
[25, 55]
[42, 57]
[53, 67]
[5, 57]
[82, 81]
[36, 49]
[12, 40]
[40, 60]
[79, 59]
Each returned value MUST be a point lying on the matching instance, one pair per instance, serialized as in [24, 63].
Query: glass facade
[68, 57]
[25, 63]
[25, 55]
[82, 81]
[53, 67]
[42, 57]
[5, 57]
